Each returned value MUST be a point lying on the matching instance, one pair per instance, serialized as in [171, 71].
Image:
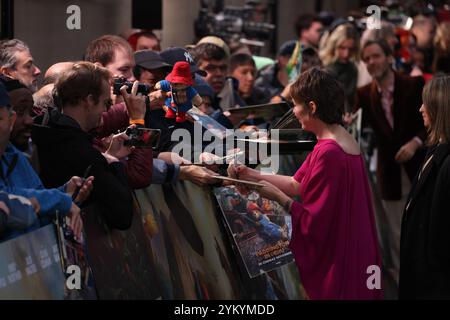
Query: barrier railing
[178, 247]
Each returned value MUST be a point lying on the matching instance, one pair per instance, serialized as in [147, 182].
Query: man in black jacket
[65, 144]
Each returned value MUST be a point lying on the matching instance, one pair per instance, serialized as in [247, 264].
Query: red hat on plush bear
[181, 73]
[252, 206]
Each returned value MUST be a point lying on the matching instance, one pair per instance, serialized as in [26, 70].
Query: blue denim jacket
[18, 177]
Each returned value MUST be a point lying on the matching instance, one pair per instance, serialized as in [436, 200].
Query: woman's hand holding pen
[240, 171]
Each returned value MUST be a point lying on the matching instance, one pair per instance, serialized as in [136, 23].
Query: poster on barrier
[193, 253]
[190, 256]
[121, 261]
[30, 267]
[261, 229]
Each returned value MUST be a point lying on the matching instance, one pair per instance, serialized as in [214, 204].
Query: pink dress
[334, 237]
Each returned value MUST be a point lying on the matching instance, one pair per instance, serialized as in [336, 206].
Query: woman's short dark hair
[325, 90]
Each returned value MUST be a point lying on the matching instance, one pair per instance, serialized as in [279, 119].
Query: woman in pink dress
[334, 237]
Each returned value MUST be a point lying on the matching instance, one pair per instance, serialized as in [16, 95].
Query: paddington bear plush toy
[179, 82]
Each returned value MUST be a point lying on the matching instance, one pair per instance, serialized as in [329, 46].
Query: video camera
[231, 23]
[143, 88]
[142, 137]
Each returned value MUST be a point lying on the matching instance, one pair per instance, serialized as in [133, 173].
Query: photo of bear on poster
[261, 229]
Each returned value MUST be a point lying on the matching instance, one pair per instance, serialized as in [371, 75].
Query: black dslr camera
[142, 137]
[143, 88]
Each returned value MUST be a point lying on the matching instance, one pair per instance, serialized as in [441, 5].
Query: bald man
[54, 71]
[43, 98]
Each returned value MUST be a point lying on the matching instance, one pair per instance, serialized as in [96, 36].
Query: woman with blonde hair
[441, 62]
[339, 52]
[425, 235]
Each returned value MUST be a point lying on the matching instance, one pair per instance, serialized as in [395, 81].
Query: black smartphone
[143, 137]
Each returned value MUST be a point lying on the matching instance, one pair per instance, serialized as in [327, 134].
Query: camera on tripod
[232, 22]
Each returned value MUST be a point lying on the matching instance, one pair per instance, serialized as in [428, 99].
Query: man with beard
[16, 62]
[390, 105]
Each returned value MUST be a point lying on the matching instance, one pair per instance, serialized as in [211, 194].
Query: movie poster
[260, 228]
[121, 261]
[30, 267]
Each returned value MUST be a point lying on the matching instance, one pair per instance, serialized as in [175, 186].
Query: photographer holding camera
[65, 145]
[115, 54]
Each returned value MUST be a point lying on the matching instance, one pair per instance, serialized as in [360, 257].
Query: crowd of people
[63, 141]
